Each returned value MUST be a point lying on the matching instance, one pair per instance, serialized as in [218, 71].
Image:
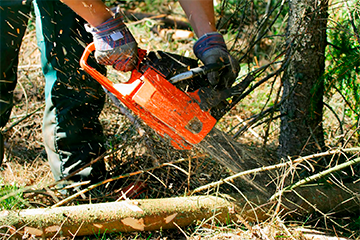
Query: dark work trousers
[73, 135]
[13, 22]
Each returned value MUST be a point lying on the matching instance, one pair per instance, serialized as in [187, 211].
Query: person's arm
[210, 47]
[114, 43]
[200, 14]
[95, 12]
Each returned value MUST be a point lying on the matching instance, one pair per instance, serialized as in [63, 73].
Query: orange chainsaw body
[171, 112]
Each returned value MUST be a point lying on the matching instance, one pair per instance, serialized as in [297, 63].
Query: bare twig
[23, 118]
[111, 180]
[346, 101]
[316, 176]
[241, 174]
[336, 116]
[272, 167]
[316, 209]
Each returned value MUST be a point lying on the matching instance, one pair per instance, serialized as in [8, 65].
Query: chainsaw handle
[104, 81]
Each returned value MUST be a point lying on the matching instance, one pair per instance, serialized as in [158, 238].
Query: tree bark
[301, 124]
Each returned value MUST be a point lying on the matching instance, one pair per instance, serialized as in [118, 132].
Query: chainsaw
[171, 94]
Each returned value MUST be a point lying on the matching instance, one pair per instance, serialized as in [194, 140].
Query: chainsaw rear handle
[104, 81]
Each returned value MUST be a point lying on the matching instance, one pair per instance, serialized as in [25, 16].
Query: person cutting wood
[116, 46]
[72, 140]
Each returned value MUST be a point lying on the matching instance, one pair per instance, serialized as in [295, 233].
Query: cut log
[125, 216]
[156, 214]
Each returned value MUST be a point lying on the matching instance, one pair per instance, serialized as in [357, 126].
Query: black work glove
[211, 48]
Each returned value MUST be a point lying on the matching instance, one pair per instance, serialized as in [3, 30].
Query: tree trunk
[301, 124]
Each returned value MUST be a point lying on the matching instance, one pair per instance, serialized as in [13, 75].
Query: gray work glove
[211, 48]
[114, 44]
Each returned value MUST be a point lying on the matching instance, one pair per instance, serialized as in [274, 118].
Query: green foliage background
[343, 57]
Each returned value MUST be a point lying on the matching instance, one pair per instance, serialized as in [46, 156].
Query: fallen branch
[272, 167]
[316, 176]
[248, 172]
[23, 118]
[157, 214]
[125, 216]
